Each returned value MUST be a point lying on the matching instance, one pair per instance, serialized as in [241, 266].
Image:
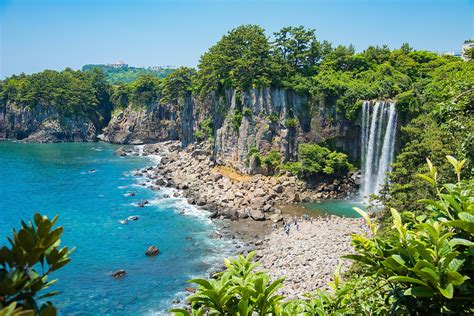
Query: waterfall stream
[379, 126]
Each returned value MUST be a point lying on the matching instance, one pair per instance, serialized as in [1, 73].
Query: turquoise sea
[56, 179]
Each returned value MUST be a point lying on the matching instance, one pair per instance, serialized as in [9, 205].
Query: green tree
[177, 85]
[298, 48]
[239, 60]
[144, 91]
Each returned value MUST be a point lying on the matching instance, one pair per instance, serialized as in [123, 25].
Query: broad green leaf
[405, 279]
[447, 291]
[420, 291]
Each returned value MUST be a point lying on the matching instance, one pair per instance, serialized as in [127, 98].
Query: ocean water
[56, 179]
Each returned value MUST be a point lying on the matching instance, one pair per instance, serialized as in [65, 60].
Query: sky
[53, 34]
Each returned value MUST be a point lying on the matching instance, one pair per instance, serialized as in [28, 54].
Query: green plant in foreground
[428, 259]
[26, 265]
[239, 290]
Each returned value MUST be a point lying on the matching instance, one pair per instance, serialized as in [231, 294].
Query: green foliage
[254, 153]
[441, 110]
[237, 119]
[272, 160]
[71, 93]
[291, 122]
[177, 85]
[124, 75]
[469, 53]
[317, 160]
[36, 245]
[298, 50]
[205, 131]
[247, 112]
[239, 290]
[144, 91]
[426, 260]
[239, 60]
[273, 117]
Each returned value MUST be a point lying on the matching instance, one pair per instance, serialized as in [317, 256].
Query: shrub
[290, 123]
[272, 159]
[427, 259]
[273, 118]
[239, 290]
[316, 160]
[205, 131]
[247, 112]
[237, 119]
[35, 245]
[254, 153]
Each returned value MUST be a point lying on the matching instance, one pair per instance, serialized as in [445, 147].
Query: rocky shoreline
[248, 211]
[228, 194]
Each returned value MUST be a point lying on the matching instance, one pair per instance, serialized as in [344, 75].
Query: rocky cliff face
[265, 126]
[241, 121]
[150, 124]
[40, 124]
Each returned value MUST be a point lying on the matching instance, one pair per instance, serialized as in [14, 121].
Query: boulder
[152, 251]
[276, 218]
[256, 214]
[118, 274]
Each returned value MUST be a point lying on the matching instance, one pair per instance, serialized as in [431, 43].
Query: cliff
[262, 119]
[43, 124]
[148, 124]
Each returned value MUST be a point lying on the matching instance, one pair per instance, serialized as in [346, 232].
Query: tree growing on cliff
[239, 60]
[36, 245]
[298, 50]
[144, 91]
[177, 85]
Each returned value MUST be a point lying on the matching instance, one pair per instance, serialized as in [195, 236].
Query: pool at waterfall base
[326, 208]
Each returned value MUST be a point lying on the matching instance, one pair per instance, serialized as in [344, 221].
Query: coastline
[307, 257]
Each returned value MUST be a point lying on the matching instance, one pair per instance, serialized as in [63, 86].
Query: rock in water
[142, 204]
[152, 251]
[118, 274]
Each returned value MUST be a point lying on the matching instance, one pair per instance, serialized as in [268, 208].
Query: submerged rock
[118, 274]
[142, 204]
[152, 251]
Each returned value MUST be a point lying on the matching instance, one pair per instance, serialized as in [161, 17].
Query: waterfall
[379, 127]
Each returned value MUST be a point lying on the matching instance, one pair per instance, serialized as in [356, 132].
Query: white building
[118, 64]
[467, 44]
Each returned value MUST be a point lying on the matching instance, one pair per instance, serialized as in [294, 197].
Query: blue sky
[53, 34]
